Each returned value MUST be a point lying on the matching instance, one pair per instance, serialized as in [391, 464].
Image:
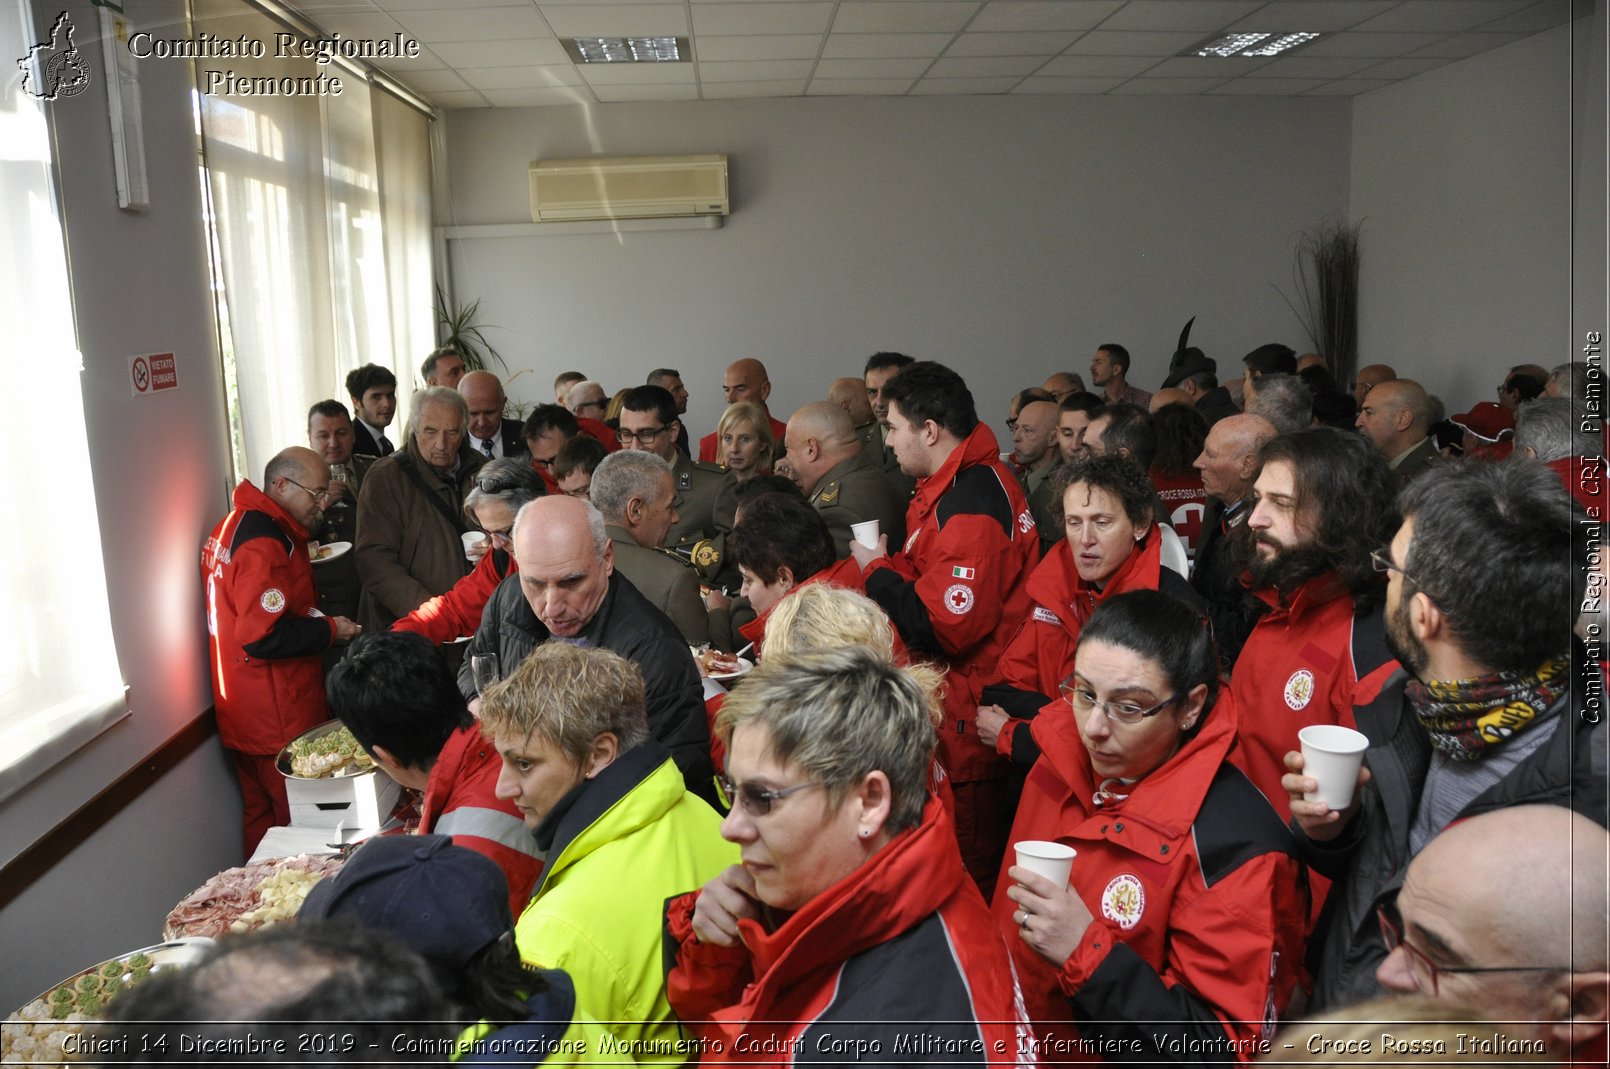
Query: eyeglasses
[757, 801]
[643, 437]
[592, 404]
[1392, 937]
[1381, 561]
[1084, 700]
[319, 496]
[505, 536]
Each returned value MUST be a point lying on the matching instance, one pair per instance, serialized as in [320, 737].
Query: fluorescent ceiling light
[628, 49]
[1249, 44]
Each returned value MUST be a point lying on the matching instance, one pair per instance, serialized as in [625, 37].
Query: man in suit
[330, 434]
[649, 423]
[1397, 417]
[837, 476]
[637, 496]
[745, 380]
[490, 434]
[373, 390]
[444, 367]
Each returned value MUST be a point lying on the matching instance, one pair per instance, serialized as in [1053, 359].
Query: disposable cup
[1331, 756]
[866, 533]
[1051, 860]
[471, 539]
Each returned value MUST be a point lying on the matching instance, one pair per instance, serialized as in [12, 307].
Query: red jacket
[710, 444]
[461, 801]
[602, 431]
[458, 612]
[900, 956]
[1198, 899]
[1186, 501]
[265, 632]
[1308, 662]
[1040, 655]
[956, 591]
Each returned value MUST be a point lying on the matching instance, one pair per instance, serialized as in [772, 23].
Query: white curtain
[60, 683]
[314, 230]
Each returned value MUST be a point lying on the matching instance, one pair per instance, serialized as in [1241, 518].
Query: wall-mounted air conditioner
[629, 187]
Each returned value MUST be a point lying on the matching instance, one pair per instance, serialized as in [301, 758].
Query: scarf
[1465, 716]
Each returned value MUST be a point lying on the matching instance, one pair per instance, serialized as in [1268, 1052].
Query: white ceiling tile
[361, 27]
[1017, 15]
[1283, 87]
[1312, 67]
[1059, 86]
[537, 97]
[963, 86]
[772, 18]
[757, 71]
[1431, 16]
[871, 68]
[758, 46]
[436, 81]
[349, 7]
[502, 53]
[435, 5]
[1325, 16]
[535, 77]
[1379, 45]
[453, 100]
[885, 45]
[901, 16]
[1464, 45]
[598, 74]
[426, 60]
[615, 93]
[1543, 15]
[474, 24]
[1205, 67]
[736, 90]
[1010, 44]
[1201, 16]
[1348, 87]
[1098, 66]
[1132, 43]
[1166, 86]
[1402, 68]
[985, 66]
[617, 20]
[859, 87]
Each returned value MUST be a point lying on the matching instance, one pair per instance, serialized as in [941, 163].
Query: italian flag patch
[962, 573]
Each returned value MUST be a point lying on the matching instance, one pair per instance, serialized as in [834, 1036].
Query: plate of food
[714, 664]
[324, 752]
[330, 552]
[43, 1031]
[249, 897]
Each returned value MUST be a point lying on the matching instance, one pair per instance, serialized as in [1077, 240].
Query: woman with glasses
[850, 931]
[1112, 546]
[1180, 935]
[500, 488]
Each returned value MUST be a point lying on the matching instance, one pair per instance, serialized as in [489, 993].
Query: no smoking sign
[153, 372]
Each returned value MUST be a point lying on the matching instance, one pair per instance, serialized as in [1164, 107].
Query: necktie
[385, 445]
[486, 445]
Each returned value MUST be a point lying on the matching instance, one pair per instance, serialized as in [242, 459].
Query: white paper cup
[1051, 860]
[866, 533]
[471, 539]
[1331, 756]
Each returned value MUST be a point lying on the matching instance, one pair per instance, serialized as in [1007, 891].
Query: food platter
[329, 745]
[249, 897]
[331, 551]
[714, 664]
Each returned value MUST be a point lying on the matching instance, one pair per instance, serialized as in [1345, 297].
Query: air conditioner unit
[629, 187]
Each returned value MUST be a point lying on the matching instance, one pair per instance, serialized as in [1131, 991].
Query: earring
[866, 833]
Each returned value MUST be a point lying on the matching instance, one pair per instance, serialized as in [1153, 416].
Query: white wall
[140, 286]
[1462, 179]
[1005, 237]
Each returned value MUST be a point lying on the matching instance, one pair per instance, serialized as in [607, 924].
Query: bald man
[490, 435]
[1228, 463]
[1062, 385]
[1396, 417]
[1370, 376]
[744, 380]
[850, 394]
[265, 633]
[1170, 395]
[839, 477]
[1537, 959]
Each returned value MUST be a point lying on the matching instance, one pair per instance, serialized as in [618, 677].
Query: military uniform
[337, 580]
[666, 580]
[690, 537]
[855, 490]
[905, 485]
[1042, 503]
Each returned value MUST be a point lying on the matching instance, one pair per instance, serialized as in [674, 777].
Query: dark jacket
[1216, 576]
[627, 624]
[1368, 859]
[1215, 405]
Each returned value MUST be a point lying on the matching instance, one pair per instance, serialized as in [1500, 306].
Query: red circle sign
[142, 375]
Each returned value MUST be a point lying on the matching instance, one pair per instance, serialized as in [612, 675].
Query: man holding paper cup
[1491, 710]
[841, 482]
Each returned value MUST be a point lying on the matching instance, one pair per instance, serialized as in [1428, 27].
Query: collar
[248, 498]
[1396, 461]
[1320, 590]
[979, 447]
[587, 801]
[376, 433]
[1057, 585]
